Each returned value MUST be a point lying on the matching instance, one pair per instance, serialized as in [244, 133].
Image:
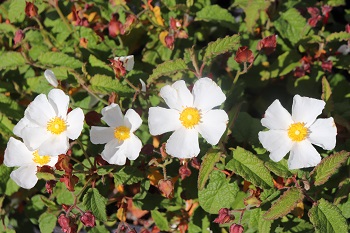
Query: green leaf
[95, 62]
[339, 36]
[160, 220]
[16, 11]
[128, 175]
[45, 176]
[336, 2]
[51, 205]
[47, 222]
[4, 177]
[291, 25]
[246, 129]
[11, 60]
[7, 28]
[167, 68]
[105, 85]
[207, 166]
[328, 166]
[11, 187]
[326, 217]
[219, 193]
[284, 204]
[104, 170]
[59, 59]
[220, 46]
[280, 168]
[95, 202]
[6, 126]
[216, 14]
[250, 167]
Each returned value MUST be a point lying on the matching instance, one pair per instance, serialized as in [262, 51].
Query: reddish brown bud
[169, 41]
[268, 44]
[114, 27]
[166, 187]
[93, 118]
[67, 225]
[118, 67]
[315, 16]
[184, 171]
[195, 163]
[70, 181]
[244, 55]
[236, 228]
[172, 23]
[31, 10]
[19, 35]
[299, 72]
[50, 184]
[88, 219]
[63, 164]
[128, 23]
[224, 216]
[327, 66]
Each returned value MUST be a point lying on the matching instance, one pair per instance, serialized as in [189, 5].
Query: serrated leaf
[326, 217]
[128, 175]
[328, 166]
[219, 193]
[216, 14]
[326, 89]
[250, 167]
[105, 85]
[47, 222]
[167, 68]
[105, 169]
[220, 46]
[95, 62]
[280, 168]
[207, 166]
[160, 220]
[7, 28]
[11, 60]
[95, 202]
[16, 11]
[59, 59]
[340, 36]
[336, 2]
[284, 204]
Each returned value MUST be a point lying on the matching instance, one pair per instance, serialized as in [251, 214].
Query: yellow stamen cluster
[41, 160]
[56, 125]
[297, 132]
[122, 133]
[190, 117]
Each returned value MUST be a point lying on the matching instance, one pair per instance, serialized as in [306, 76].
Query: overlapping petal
[24, 122]
[25, 176]
[59, 102]
[276, 142]
[306, 109]
[276, 117]
[114, 152]
[303, 155]
[213, 125]
[54, 145]
[75, 123]
[177, 96]
[112, 115]
[162, 120]
[101, 135]
[323, 133]
[133, 147]
[17, 154]
[183, 143]
[40, 110]
[132, 120]
[34, 137]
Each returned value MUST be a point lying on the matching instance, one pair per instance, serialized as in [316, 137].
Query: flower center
[41, 160]
[190, 117]
[56, 125]
[122, 133]
[297, 132]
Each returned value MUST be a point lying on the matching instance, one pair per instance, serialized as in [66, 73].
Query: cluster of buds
[225, 216]
[115, 27]
[315, 15]
[67, 178]
[175, 31]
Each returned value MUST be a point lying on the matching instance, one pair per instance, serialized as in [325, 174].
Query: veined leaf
[7, 28]
[95, 202]
[47, 222]
[326, 217]
[16, 11]
[214, 13]
[284, 204]
[11, 60]
[207, 166]
[340, 36]
[336, 2]
[106, 84]
[220, 46]
[167, 68]
[328, 166]
[280, 168]
[59, 59]
[128, 175]
[160, 220]
[250, 167]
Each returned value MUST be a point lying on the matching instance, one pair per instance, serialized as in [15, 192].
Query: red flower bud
[88, 219]
[114, 27]
[50, 184]
[31, 10]
[70, 181]
[19, 35]
[224, 216]
[244, 55]
[67, 225]
[327, 66]
[169, 41]
[268, 44]
[166, 187]
[184, 171]
[236, 228]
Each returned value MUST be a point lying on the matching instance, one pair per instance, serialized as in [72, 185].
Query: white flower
[47, 127]
[51, 78]
[128, 61]
[295, 133]
[189, 114]
[18, 155]
[143, 86]
[119, 136]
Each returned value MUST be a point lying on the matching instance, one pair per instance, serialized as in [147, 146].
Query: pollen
[297, 132]
[56, 125]
[190, 117]
[122, 133]
[41, 160]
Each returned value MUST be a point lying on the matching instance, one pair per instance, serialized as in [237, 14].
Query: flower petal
[306, 109]
[132, 120]
[134, 146]
[51, 78]
[162, 120]
[114, 152]
[276, 142]
[207, 94]
[101, 135]
[40, 110]
[53, 161]
[177, 96]
[75, 121]
[213, 125]
[323, 133]
[302, 155]
[24, 122]
[277, 117]
[54, 145]
[183, 143]
[112, 115]
[33, 137]
[25, 176]
[17, 154]
[59, 102]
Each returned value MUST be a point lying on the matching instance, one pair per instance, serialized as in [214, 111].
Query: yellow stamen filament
[41, 160]
[190, 117]
[56, 125]
[122, 133]
[297, 132]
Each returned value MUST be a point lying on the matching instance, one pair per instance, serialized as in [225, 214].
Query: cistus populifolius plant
[174, 116]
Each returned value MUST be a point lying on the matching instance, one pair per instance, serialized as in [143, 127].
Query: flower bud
[184, 171]
[244, 55]
[327, 66]
[88, 219]
[268, 44]
[50, 184]
[51, 78]
[166, 187]
[19, 35]
[224, 216]
[236, 228]
[169, 41]
[31, 10]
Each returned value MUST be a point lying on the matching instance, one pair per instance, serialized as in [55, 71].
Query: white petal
[17, 154]
[323, 133]
[59, 102]
[306, 109]
[162, 120]
[112, 115]
[114, 152]
[183, 143]
[17, 130]
[54, 145]
[132, 120]
[40, 110]
[33, 137]
[25, 176]
[213, 125]
[276, 142]
[303, 154]
[177, 96]
[277, 117]
[143, 86]
[128, 61]
[207, 94]
[53, 161]
[101, 135]
[134, 146]
[75, 121]
[51, 78]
